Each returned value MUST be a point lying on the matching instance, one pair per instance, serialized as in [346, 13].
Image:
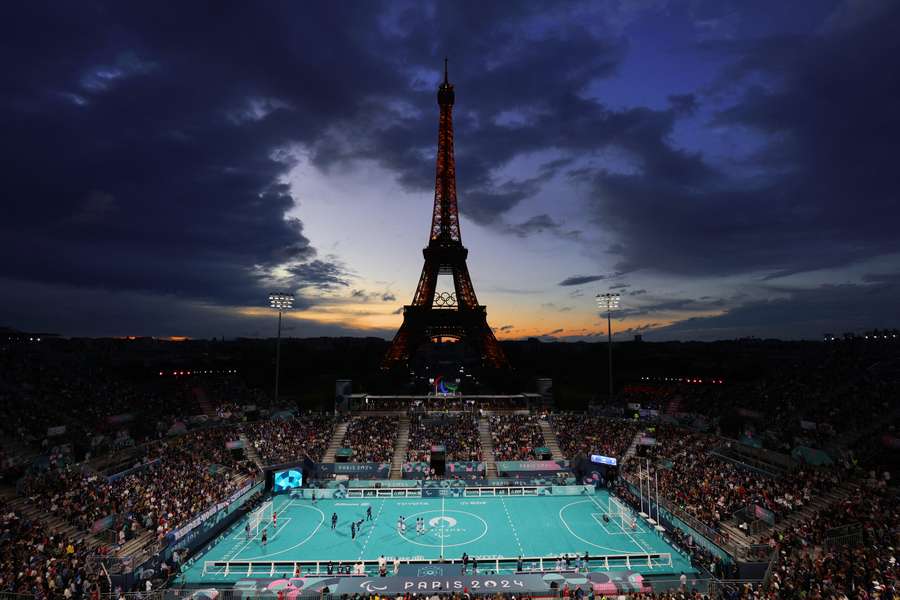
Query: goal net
[261, 517]
[620, 513]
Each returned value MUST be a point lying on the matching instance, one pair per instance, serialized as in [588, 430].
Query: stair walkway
[744, 541]
[550, 439]
[673, 406]
[250, 452]
[487, 447]
[740, 540]
[204, 402]
[400, 447]
[337, 437]
[833, 496]
[632, 449]
[53, 524]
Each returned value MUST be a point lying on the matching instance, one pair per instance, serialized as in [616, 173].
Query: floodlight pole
[278, 357]
[609, 301]
[281, 302]
[609, 345]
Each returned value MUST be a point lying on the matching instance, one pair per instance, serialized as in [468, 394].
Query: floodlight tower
[609, 302]
[281, 302]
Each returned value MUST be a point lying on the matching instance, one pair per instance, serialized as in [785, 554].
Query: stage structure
[437, 314]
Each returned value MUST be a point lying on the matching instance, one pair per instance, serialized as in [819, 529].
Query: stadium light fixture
[280, 301]
[609, 302]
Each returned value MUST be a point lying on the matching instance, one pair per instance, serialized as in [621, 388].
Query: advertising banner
[443, 578]
[415, 470]
[763, 514]
[209, 512]
[465, 469]
[361, 470]
[532, 466]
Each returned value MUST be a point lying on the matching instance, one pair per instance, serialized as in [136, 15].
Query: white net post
[619, 511]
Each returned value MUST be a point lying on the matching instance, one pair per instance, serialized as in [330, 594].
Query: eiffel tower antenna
[435, 314]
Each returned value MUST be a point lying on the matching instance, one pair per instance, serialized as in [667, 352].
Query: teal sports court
[538, 528]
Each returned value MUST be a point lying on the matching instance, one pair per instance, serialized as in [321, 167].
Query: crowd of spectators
[712, 489]
[583, 435]
[284, 440]
[371, 438]
[178, 479]
[36, 563]
[808, 401]
[515, 437]
[847, 550]
[90, 406]
[457, 433]
[438, 404]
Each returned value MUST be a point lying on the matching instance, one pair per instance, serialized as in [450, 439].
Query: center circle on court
[452, 527]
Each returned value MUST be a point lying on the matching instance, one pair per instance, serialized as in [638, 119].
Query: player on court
[334, 520]
[369, 513]
[247, 529]
[265, 538]
[274, 520]
[400, 525]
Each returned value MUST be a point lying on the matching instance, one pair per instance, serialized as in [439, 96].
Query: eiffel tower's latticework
[435, 314]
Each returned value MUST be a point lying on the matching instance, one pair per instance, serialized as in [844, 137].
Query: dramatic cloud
[581, 279]
[823, 309]
[319, 274]
[804, 199]
[155, 153]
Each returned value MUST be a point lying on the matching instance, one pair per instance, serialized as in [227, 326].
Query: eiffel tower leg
[492, 354]
[399, 352]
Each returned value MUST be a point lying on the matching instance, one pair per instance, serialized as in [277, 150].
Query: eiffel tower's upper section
[445, 218]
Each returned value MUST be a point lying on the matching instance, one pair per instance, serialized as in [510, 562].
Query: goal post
[618, 511]
[261, 517]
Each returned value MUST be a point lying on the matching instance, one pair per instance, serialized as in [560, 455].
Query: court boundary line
[371, 529]
[602, 524]
[641, 543]
[301, 542]
[566, 525]
[258, 537]
[630, 536]
[512, 525]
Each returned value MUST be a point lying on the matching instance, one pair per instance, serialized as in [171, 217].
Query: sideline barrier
[498, 564]
[456, 491]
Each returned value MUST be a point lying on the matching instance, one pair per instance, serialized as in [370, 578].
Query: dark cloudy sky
[730, 167]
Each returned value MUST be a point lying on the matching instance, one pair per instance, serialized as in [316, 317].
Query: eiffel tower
[435, 314]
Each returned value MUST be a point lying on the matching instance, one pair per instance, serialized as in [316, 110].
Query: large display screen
[283, 481]
[603, 460]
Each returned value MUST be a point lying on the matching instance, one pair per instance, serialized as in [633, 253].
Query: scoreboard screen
[289, 479]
